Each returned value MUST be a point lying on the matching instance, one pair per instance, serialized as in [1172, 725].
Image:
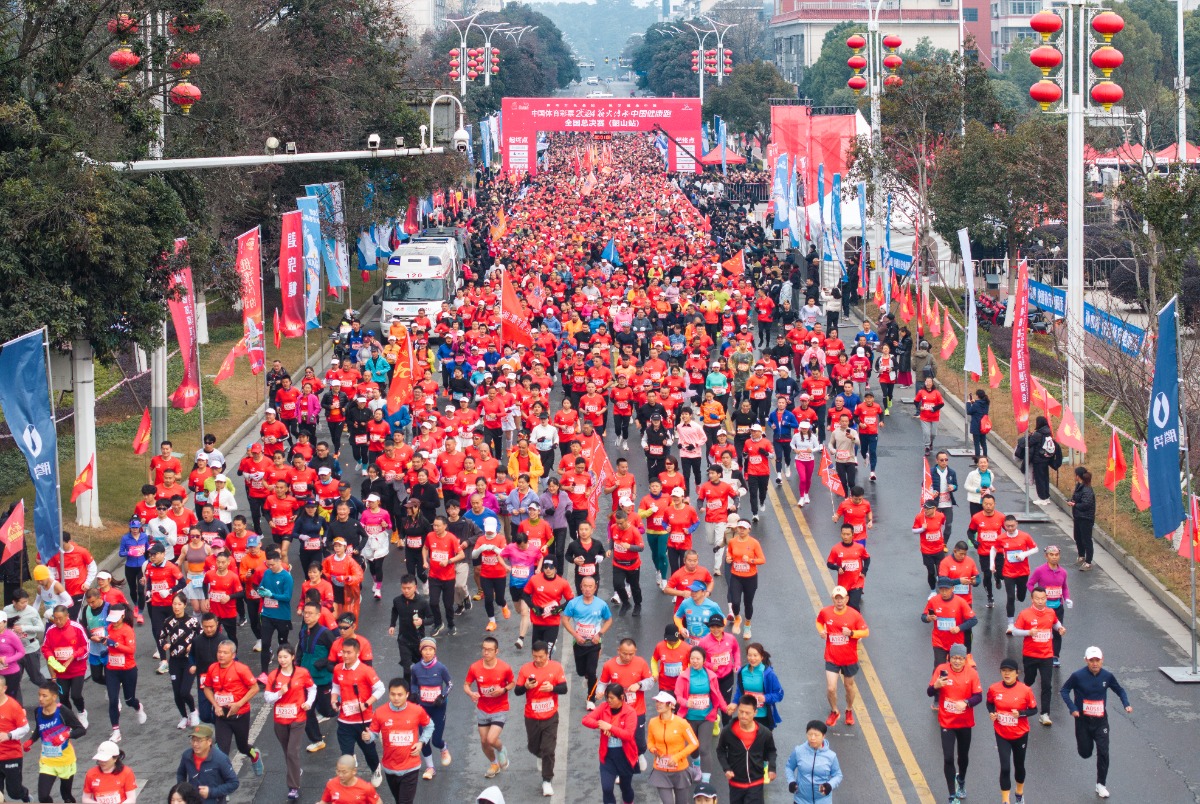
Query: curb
[229, 445]
[1145, 577]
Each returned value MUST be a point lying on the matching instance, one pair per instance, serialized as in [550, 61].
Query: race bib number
[1041, 635]
[413, 541]
[698, 701]
[1093, 708]
[360, 439]
[351, 707]
[677, 537]
[631, 697]
[195, 580]
[850, 565]
[844, 456]
[1054, 593]
[946, 623]
[270, 603]
[224, 698]
[542, 706]
[116, 660]
[519, 571]
[219, 597]
[934, 535]
[109, 798]
[312, 544]
[672, 669]
[1007, 719]
[136, 551]
[64, 655]
[950, 705]
[585, 631]
[430, 694]
[400, 738]
[279, 521]
[440, 556]
[961, 589]
[720, 660]
[489, 560]
[71, 574]
[287, 711]
[755, 460]
[1012, 556]
[741, 566]
[580, 489]
[51, 751]
[160, 588]
[664, 764]
[584, 569]
[838, 639]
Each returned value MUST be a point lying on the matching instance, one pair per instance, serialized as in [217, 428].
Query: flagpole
[1187, 464]
[58, 466]
[262, 293]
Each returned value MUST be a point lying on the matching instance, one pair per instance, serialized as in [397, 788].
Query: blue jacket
[783, 425]
[1082, 685]
[278, 586]
[951, 480]
[772, 692]
[810, 769]
[215, 772]
[128, 541]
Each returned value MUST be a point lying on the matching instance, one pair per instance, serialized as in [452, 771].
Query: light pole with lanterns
[1083, 91]
[717, 61]
[468, 63]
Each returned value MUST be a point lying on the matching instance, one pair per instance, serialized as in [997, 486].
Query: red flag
[878, 292]
[927, 492]
[935, 328]
[950, 341]
[895, 288]
[501, 228]
[249, 268]
[906, 307]
[1140, 489]
[86, 479]
[1043, 398]
[994, 375]
[514, 323]
[1189, 545]
[1022, 387]
[707, 224]
[141, 441]
[735, 265]
[1114, 472]
[276, 329]
[291, 274]
[410, 217]
[1069, 434]
[400, 392]
[602, 473]
[12, 532]
[182, 305]
[226, 369]
[829, 476]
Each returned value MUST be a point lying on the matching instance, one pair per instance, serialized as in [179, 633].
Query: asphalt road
[893, 753]
[619, 89]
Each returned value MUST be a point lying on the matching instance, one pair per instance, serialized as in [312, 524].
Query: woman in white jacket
[805, 446]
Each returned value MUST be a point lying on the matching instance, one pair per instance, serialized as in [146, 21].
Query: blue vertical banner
[722, 138]
[835, 227]
[310, 228]
[706, 138]
[779, 192]
[863, 246]
[825, 255]
[1163, 434]
[794, 232]
[485, 141]
[887, 256]
[333, 217]
[25, 402]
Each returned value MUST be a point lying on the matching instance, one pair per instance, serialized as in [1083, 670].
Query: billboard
[523, 118]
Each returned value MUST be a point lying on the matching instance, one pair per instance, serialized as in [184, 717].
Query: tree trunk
[1153, 289]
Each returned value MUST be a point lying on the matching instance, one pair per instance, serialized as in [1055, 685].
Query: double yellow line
[874, 744]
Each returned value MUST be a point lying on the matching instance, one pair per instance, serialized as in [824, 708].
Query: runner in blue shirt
[587, 618]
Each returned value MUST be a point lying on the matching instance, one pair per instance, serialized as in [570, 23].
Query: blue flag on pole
[610, 253]
[887, 256]
[332, 215]
[25, 401]
[1162, 436]
[722, 136]
[835, 217]
[794, 232]
[485, 138]
[863, 245]
[310, 229]
[779, 192]
[825, 255]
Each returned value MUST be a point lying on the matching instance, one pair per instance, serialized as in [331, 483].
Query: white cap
[490, 525]
[678, 492]
[743, 523]
[214, 462]
[271, 411]
[106, 751]
[224, 479]
[338, 383]
[664, 697]
[756, 426]
[104, 574]
[1093, 653]
[839, 591]
[324, 470]
[372, 498]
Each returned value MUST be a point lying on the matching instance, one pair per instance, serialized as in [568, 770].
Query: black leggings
[1016, 750]
[414, 565]
[234, 728]
[691, 469]
[118, 682]
[986, 569]
[403, 786]
[442, 591]
[1014, 590]
[758, 491]
[46, 787]
[622, 576]
[361, 451]
[181, 685]
[742, 589]
[675, 559]
[783, 457]
[1082, 531]
[11, 769]
[621, 428]
[887, 388]
[493, 594]
[848, 474]
[270, 626]
[953, 739]
[376, 567]
[137, 589]
[71, 692]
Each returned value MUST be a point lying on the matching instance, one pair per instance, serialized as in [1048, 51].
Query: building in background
[1009, 24]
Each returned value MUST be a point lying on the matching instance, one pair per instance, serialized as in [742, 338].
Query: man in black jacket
[204, 655]
[410, 612]
[744, 767]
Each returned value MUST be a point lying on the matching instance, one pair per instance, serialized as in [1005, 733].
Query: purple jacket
[11, 651]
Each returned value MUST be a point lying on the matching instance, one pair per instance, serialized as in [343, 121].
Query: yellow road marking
[920, 784]
[874, 744]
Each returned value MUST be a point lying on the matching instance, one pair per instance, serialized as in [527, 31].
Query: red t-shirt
[282, 514]
[360, 792]
[850, 564]
[758, 457]
[855, 515]
[491, 684]
[441, 549]
[1008, 724]
[399, 731]
[840, 649]
[287, 709]
[929, 528]
[110, 788]
[963, 686]
[229, 684]
[1041, 624]
[947, 614]
[541, 705]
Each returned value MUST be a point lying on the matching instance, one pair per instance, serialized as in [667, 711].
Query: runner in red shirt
[719, 500]
[493, 679]
[984, 531]
[857, 513]
[229, 685]
[841, 627]
[163, 461]
[541, 681]
[281, 509]
[929, 525]
[956, 689]
[950, 617]
[402, 728]
[850, 560]
[1037, 624]
[347, 788]
[1010, 704]
[758, 453]
[222, 588]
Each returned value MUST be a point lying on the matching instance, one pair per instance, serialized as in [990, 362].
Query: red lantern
[454, 75]
[454, 63]
[857, 83]
[184, 63]
[856, 42]
[1106, 93]
[1106, 59]
[495, 51]
[472, 75]
[454, 53]
[122, 60]
[1046, 23]
[892, 62]
[695, 53]
[1045, 58]
[122, 25]
[728, 71]
[1045, 92]
[182, 24]
[893, 81]
[728, 62]
[185, 95]
[857, 63]
[495, 71]
[891, 41]
[728, 52]
[695, 69]
[1108, 23]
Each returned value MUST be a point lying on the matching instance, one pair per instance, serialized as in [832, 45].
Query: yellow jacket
[536, 470]
[673, 739]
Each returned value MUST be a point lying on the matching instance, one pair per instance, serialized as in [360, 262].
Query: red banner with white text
[1022, 382]
[182, 305]
[249, 269]
[291, 274]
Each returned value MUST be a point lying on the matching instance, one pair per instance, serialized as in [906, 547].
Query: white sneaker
[156, 656]
[194, 718]
[807, 500]
[642, 763]
[257, 647]
[746, 632]
[615, 598]
[141, 714]
[377, 776]
[547, 789]
[182, 724]
[1044, 719]
[116, 737]
[1101, 790]
[658, 578]
[162, 668]
[83, 719]
[787, 471]
[662, 585]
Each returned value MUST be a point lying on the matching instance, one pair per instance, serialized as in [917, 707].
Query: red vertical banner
[1022, 383]
[400, 392]
[602, 474]
[182, 305]
[249, 269]
[291, 274]
[515, 328]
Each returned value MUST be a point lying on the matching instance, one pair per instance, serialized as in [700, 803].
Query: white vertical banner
[972, 361]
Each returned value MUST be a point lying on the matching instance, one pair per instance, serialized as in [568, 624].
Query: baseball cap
[202, 730]
[104, 575]
[1093, 653]
[372, 498]
[1008, 664]
[270, 411]
[135, 523]
[311, 502]
[703, 790]
[698, 586]
[742, 523]
[253, 541]
[716, 620]
[671, 633]
[106, 751]
[944, 581]
[678, 492]
[756, 426]
[839, 591]
[664, 697]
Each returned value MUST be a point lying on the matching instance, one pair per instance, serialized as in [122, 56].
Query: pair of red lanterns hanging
[479, 60]
[1047, 58]
[123, 60]
[714, 61]
[858, 62]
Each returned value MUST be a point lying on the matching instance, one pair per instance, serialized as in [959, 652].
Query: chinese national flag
[906, 306]
[1140, 490]
[735, 265]
[1189, 545]
[1042, 397]
[277, 328]
[1114, 472]
[829, 477]
[226, 369]
[950, 341]
[935, 328]
[895, 288]
[86, 479]
[1069, 434]
[141, 441]
[12, 532]
[878, 291]
[994, 375]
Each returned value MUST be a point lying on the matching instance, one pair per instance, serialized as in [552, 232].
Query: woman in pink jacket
[617, 723]
[700, 701]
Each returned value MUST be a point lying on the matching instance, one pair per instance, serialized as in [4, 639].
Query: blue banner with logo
[25, 401]
[310, 229]
[1162, 436]
[835, 221]
[825, 255]
[1103, 325]
[779, 192]
[333, 216]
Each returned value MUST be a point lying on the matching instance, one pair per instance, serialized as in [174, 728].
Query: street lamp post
[711, 61]
[723, 65]
[1079, 84]
[701, 37]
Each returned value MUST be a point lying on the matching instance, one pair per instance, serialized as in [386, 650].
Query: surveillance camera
[289, 147]
[272, 145]
[399, 142]
[373, 142]
[461, 140]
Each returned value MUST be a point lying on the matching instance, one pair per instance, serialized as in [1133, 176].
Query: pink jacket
[683, 689]
[692, 440]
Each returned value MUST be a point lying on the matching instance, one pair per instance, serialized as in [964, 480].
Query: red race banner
[182, 305]
[291, 274]
[1022, 382]
[400, 392]
[249, 269]
[514, 323]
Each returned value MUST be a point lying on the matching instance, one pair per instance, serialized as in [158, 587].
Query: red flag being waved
[400, 392]
[602, 474]
[12, 532]
[1022, 387]
[1114, 472]
[1189, 545]
[141, 441]
[878, 298]
[1044, 400]
[950, 341]
[906, 306]
[1140, 490]
[226, 369]
[86, 480]
[1069, 434]
[735, 265]
[829, 476]
[994, 375]
[514, 323]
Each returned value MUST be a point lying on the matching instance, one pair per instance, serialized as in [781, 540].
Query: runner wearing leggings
[955, 688]
[430, 687]
[1010, 704]
[744, 555]
[174, 645]
[493, 572]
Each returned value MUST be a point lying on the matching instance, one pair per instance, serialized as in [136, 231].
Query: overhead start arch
[522, 118]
